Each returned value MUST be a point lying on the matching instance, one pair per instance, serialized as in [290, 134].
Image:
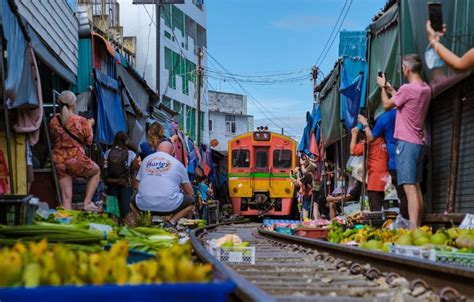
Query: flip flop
[92, 208]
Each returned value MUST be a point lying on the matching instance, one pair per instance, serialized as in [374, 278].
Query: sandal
[91, 207]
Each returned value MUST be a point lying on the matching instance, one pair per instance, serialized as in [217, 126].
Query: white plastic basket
[454, 258]
[234, 255]
[410, 251]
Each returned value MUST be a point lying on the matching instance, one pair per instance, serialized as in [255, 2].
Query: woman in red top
[70, 133]
[377, 167]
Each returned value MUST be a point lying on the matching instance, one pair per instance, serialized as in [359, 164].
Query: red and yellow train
[259, 166]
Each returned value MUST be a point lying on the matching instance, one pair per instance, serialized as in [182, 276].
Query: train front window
[241, 158]
[261, 159]
[282, 159]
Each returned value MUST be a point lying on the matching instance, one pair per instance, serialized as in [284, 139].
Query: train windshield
[261, 159]
[282, 159]
[241, 158]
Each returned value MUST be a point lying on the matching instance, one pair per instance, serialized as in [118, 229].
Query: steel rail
[436, 275]
[245, 291]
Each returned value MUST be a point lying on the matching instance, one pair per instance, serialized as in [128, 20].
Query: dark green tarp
[329, 97]
[458, 15]
[384, 56]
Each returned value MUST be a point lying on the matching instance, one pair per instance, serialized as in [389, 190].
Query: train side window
[282, 159]
[261, 159]
[241, 158]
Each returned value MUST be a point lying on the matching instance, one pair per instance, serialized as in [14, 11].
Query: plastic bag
[390, 189]
[467, 222]
[400, 223]
[355, 166]
[111, 206]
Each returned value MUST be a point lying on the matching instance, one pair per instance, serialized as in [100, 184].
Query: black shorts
[376, 200]
[188, 200]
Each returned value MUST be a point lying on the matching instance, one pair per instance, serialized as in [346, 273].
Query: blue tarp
[351, 93]
[305, 139]
[20, 87]
[110, 114]
[353, 50]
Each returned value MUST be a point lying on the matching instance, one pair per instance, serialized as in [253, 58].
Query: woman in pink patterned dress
[70, 133]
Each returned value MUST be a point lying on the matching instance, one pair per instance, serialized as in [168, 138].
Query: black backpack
[118, 171]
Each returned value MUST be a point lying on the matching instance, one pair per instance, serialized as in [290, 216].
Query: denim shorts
[307, 202]
[409, 158]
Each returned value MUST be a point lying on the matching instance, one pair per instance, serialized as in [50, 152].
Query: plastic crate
[214, 291]
[453, 258]
[286, 231]
[410, 251]
[313, 233]
[234, 255]
[16, 210]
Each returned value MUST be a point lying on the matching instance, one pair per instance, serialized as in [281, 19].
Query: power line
[148, 43]
[332, 33]
[335, 36]
[258, 105]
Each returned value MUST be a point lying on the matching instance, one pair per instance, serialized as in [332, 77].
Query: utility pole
[315, 77]
[282, 131]
[198, 105]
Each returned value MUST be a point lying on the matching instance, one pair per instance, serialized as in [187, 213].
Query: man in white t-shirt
[164, 186]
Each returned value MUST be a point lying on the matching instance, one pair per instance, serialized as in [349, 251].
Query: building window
[210, 125]
[230, 125]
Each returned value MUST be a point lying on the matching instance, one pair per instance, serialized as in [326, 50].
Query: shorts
[376, 200]
[188, 200]
[74, 163]
[307, 202]
[409, 163]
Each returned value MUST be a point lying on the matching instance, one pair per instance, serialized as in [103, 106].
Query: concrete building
[183, 31]
[228, 117]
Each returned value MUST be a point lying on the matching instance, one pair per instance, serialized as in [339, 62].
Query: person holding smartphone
[435, 29]
[412, 101]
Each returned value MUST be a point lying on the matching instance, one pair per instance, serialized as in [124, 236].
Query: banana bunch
[35, 264]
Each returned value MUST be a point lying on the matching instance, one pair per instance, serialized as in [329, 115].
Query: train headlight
[287, 190]
[235, 190]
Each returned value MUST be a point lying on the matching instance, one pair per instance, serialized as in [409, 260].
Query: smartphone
[436, 16]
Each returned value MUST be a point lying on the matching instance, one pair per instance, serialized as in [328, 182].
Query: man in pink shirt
[412, 101]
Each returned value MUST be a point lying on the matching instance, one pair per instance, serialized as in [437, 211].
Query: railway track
[289, 268]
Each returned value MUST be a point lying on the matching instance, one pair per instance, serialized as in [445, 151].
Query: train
[259, 165]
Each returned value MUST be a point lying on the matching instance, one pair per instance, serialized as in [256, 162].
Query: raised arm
[460, 64]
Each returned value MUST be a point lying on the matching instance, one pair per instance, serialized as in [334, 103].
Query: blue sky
[257, 36]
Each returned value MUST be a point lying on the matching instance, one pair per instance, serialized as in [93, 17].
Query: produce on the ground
[53, 233]
[231, 240]
[452, 239]
[36, 264]
[79, 218]
[147, 240]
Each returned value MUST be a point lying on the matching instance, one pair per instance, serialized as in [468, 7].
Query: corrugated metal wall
[441, 116]
[442, 119]
[55, 22]
[465, 181]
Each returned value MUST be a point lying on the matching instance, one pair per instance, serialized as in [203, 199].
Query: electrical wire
[267, 113]
[331, 34]
[148, 43]
[335, 36]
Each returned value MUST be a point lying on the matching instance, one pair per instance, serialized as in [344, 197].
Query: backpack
[118, 171]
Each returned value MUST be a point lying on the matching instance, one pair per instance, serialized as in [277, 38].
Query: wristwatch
[365, 126]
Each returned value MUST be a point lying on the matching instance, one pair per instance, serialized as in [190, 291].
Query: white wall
[136, 22]
[219, 128]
